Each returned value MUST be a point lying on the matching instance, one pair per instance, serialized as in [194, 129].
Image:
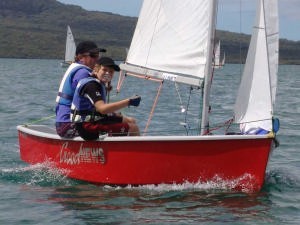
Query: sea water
[40, 195]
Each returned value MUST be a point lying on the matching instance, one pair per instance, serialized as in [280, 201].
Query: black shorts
[111, 119]
[111, 125]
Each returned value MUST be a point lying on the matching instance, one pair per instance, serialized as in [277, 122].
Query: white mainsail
[70, 46]
[256, 95]
[172, 40]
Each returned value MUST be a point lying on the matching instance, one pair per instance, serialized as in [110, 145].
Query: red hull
[133, 161]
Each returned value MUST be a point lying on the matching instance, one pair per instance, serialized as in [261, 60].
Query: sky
[229, 17]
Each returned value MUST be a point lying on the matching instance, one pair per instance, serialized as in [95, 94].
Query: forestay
[256, 95]
[172, 40]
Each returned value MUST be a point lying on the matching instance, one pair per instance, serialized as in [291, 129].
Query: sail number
[169, 76]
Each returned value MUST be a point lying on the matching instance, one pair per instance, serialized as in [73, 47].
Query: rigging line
[254, 121]
[179, 96]
[184, 110]
[241, 37]
[219, 126]
[188, 103]
[122, 76]
[153, 107]
[187, 127]
[228, 123]
[39, 120]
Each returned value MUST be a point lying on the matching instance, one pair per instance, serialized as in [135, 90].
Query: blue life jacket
[66, 91]
[82, 109]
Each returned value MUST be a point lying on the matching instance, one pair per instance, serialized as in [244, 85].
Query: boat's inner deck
[50, 132]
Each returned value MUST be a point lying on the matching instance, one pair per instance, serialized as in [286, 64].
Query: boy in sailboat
[87, 54]
[91, 112]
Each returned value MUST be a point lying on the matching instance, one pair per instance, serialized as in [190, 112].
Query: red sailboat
[173, 43]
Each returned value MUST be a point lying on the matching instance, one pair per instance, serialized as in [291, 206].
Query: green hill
[37, 29]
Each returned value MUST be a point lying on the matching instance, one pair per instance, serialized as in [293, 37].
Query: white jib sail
[172, 40]
[70, 46]
[256, 95]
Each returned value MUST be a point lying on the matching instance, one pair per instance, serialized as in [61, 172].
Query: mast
[208, 68]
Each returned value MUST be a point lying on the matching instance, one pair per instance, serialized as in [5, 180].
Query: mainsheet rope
[39, 120]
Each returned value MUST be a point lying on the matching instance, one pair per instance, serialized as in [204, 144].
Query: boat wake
[243, 184]
[43, 174]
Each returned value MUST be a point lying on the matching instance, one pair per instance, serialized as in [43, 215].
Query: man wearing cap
[90, 111]
[87, 54]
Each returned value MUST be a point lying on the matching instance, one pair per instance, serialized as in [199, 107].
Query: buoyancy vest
[66, 91]
[82, 109]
